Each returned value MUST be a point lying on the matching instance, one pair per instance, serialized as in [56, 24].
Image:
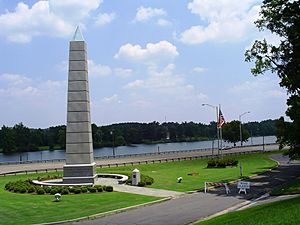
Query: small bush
[109, 188]
[77, 190]
[71, 189]
[47, 189]
[40, 191]
[99, 188]
[222, 163]
[65, 191]
[84, 190]
[141, 184]
[54, 191]
[92, 190]
[31, 189]
[22, 190]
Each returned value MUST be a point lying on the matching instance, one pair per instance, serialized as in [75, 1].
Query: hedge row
[222, 162]
[26, 186]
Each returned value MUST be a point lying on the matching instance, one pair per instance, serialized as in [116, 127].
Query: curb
[99, 215]
[230, 209]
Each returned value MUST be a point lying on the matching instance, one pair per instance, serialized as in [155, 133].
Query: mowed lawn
[277, 213]
[165, 174]
[32, 209]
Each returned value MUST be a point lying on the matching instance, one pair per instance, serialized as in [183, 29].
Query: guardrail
[108, 165]
[130, 155]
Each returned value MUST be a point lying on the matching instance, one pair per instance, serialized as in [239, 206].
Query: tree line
[20, 138]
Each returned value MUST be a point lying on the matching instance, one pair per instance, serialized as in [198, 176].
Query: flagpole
[221, 135]
[218, 136]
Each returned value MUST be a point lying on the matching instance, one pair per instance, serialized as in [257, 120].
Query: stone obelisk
[80, 166]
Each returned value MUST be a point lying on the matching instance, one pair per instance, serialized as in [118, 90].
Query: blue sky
[148, 60]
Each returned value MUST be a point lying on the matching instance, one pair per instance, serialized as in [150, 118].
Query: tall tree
[231, 132]
[282, 18]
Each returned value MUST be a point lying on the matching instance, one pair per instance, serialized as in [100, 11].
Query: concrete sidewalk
[188, 208]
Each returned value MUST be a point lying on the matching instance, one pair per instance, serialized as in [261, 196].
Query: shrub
[221, 163]
[47, 189]
[53, 191]
[109, 188]
[22, 190]
[71, 189]
[40, 191]
[77, 190]
[31, 189]
[65, 191]
[84, 189]
[92, 190]
[141, 184]
[99, 188]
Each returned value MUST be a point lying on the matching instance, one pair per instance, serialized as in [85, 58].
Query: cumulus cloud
[199, 69]
[124, 73]
[52, 18]
[98, 70]
[144, 14]
[258, 89]
[166, 82]
[112, 99]
[16, 85]
[104, 18]
[153, 52]
[163, 22]
[225, 20]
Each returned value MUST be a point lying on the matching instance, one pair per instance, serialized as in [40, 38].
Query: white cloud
[104, 18]
[258, 89]
[156, 52]
[96, 70]
[124, 73]
[144, 14]
[226, 20]
[22, 87]
[54, 18]
[199, 69]
[163, 23]
[166, 82]
[135, 84]
[112, 99]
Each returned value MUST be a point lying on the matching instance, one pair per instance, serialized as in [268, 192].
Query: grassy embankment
[18, 208]
[165, 174]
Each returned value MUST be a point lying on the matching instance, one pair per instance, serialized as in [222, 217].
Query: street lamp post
[241, 133]
[113, 137]
[217, 112]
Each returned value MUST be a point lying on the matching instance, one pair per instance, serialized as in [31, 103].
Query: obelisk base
[80, 174]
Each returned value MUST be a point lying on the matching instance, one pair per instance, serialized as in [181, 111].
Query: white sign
[243, 185]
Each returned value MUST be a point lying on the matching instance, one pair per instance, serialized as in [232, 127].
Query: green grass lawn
[292, 188]
[165, 174]
[31, 209]
[282, 212]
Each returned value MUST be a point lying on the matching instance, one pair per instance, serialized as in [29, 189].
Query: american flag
[221, 119]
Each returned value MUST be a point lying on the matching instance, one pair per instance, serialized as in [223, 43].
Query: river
[127, 150]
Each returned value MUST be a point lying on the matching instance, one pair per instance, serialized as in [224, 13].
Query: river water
[127, 150]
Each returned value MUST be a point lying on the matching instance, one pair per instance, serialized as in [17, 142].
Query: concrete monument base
[80, 173]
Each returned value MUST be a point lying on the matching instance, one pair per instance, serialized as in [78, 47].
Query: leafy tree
[231, 132]
[22, 137]
[7, 139]
[281, 17]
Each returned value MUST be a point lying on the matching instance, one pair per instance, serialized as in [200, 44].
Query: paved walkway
[138, 190]
[188, 208]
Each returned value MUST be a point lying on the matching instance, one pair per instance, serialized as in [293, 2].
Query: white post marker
[243, 186]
